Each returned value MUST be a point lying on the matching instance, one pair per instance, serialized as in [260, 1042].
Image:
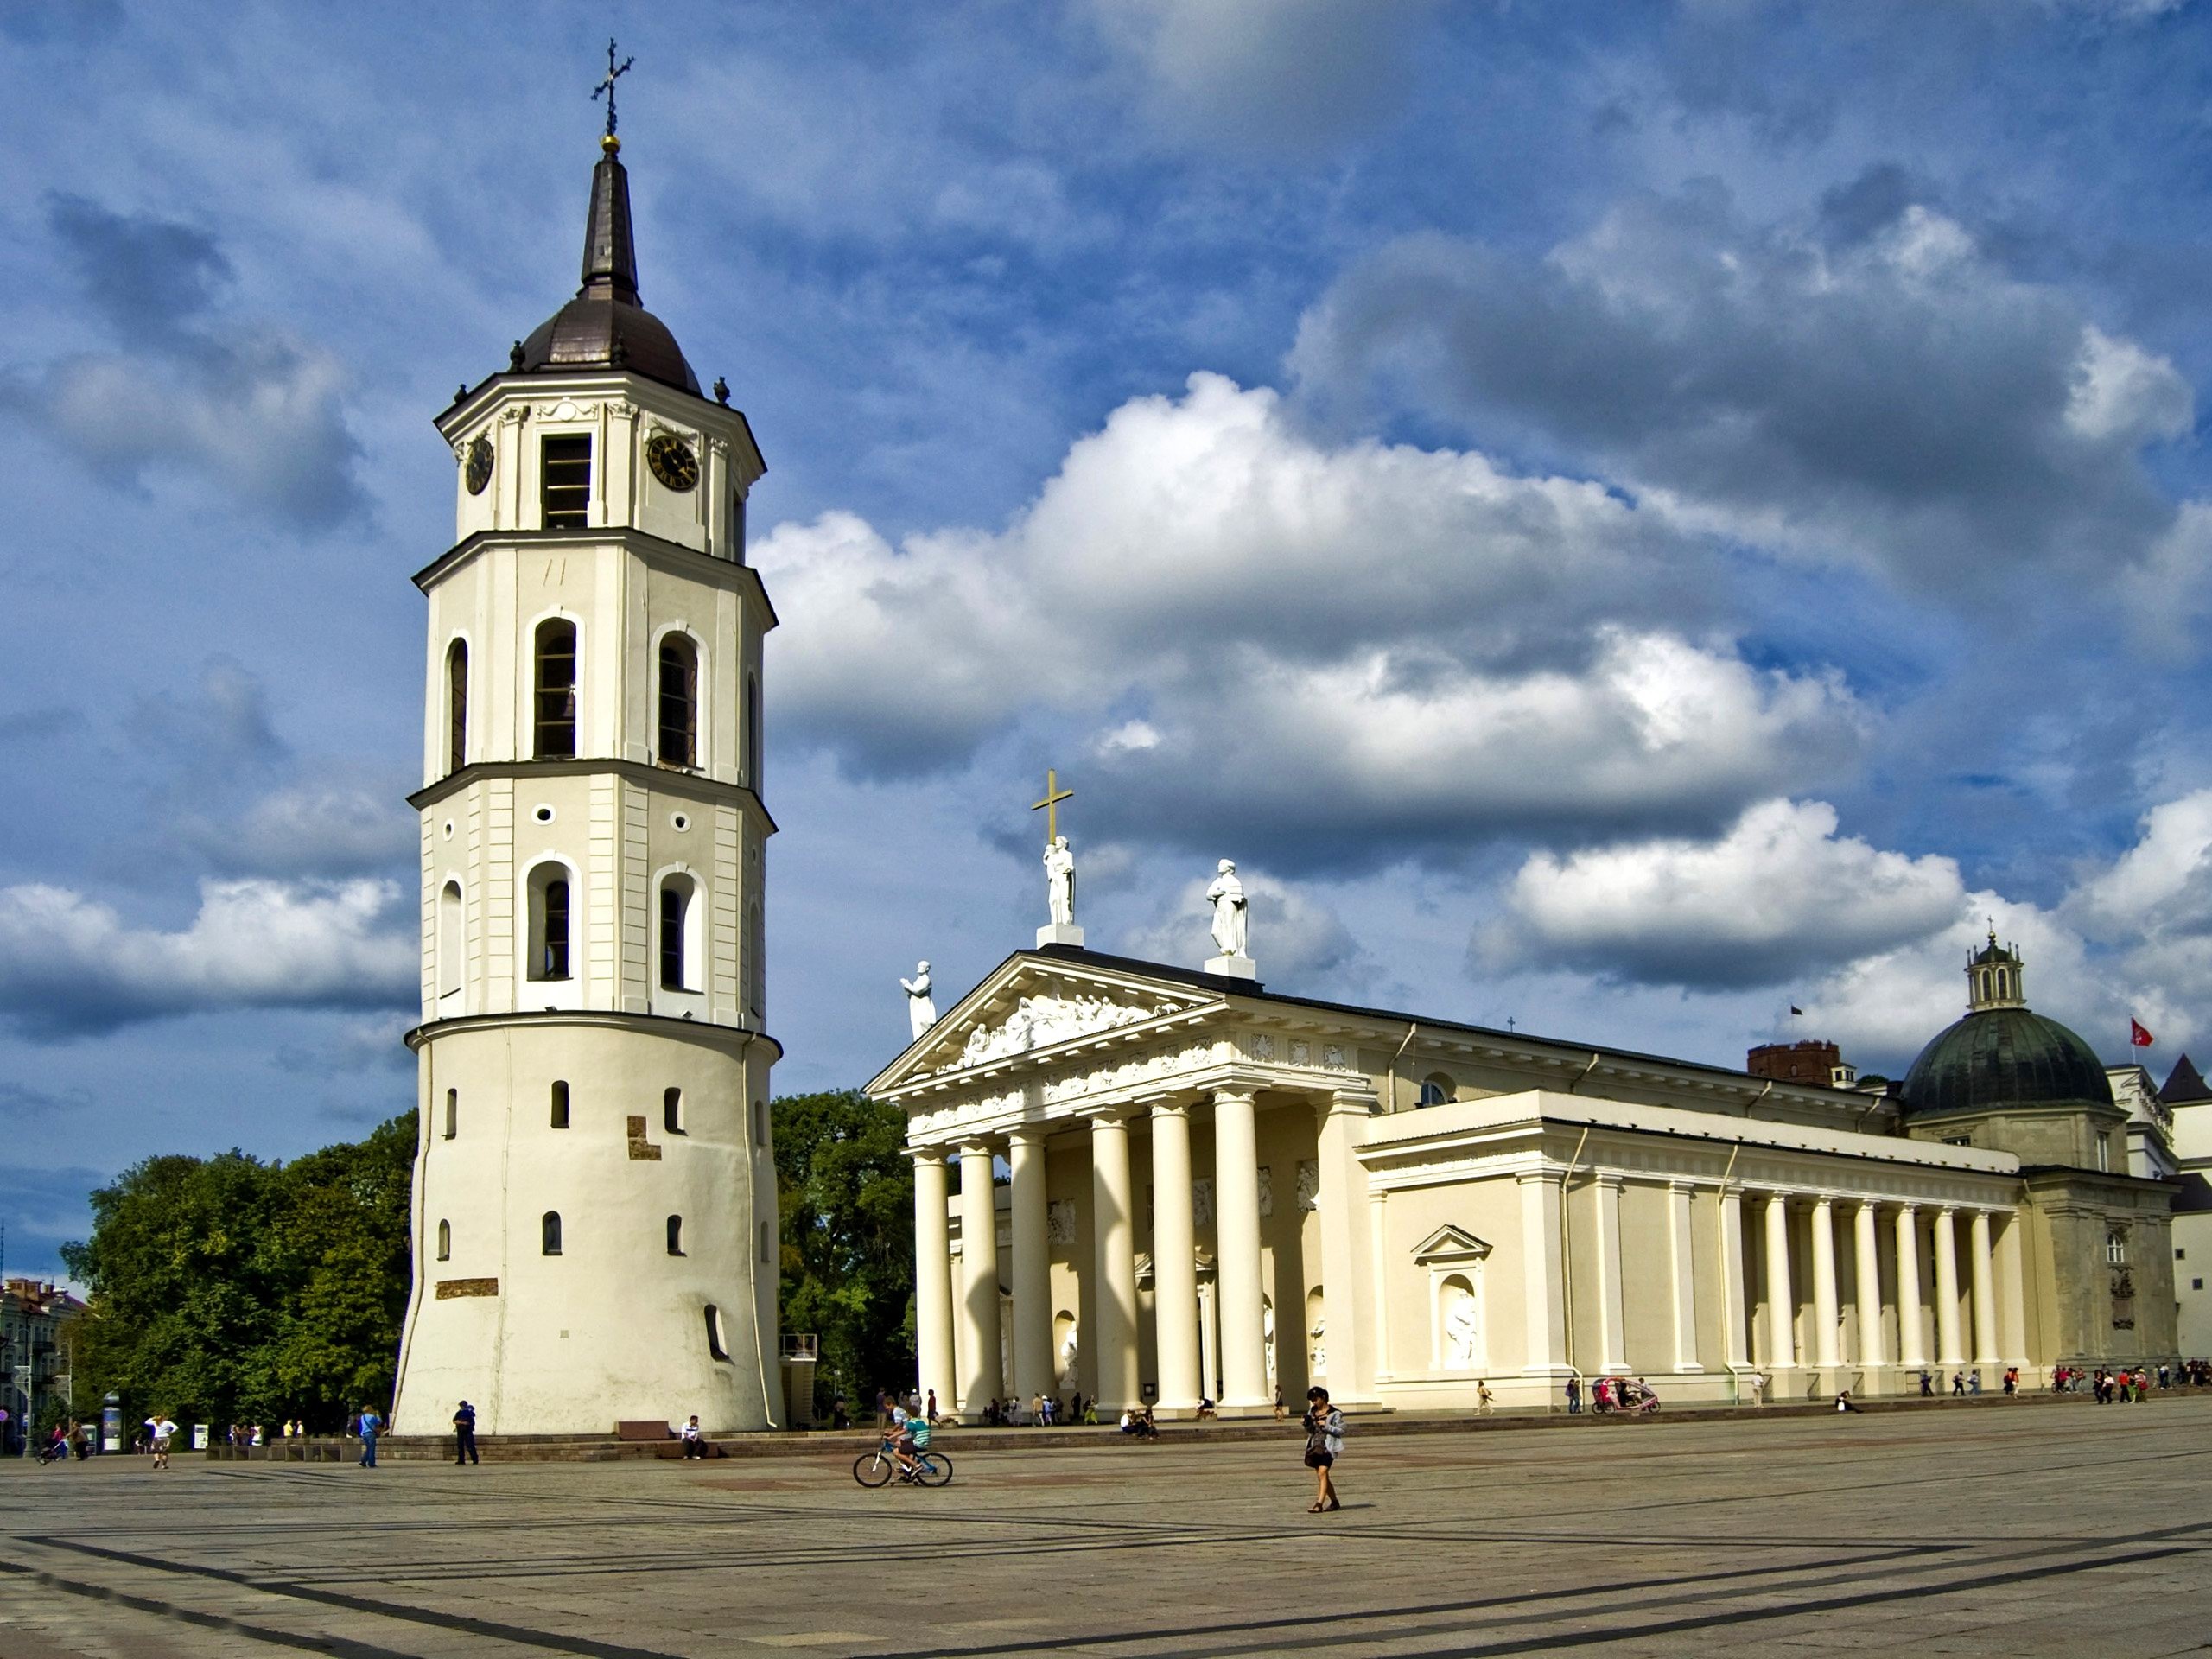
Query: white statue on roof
[1226, 895]
[921, 1006]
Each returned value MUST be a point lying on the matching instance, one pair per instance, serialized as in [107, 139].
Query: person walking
[1958, 1385]
[1574, 1395]
[1757, 1380]
[464, 1435]
[163, 1431]
[1325, 1444]
[695, 1442]
[1927, 1385]
[370, 1424]
[1483, 1397]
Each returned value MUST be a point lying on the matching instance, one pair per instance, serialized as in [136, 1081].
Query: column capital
[1029, 1134]
[1169, 1108]
[927, 1154]
[1542, 1172]
[1823, 1201]
[986, 1144]
[1612, 1178]
[1108, 1118]
[1357, 1103]
[1246, 1096]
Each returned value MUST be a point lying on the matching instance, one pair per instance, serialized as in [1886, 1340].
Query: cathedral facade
[595, 1208]
[1222, 1193]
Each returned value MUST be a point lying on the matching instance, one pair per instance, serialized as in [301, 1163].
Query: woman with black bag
[1325, 1444]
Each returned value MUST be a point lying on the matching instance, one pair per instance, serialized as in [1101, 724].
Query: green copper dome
[2004, 1056]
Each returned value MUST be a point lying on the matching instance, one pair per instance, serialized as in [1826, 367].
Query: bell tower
[595, 1205]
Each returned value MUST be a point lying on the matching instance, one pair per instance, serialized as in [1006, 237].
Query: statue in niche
[1458, 1326]
[921, 1007]
[1059, 1221]
[1317, 1355]
[1309, 1184]
[1267, 1191]
[1059, 881]
[1226, 895]
[1202, 1203]
[1069, 1371]
[1267, 1336]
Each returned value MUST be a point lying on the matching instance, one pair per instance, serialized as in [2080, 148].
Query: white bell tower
[595, 1221]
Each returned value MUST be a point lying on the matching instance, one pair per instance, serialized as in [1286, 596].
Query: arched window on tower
[683, 935]
[714, 1332]
[549, 1233]
[564, 481]
[1437, 1090]
[457, 705]
[445, 1241]
[671, 1111]
[452, 1113]
[551, 924]
[753, 732]
[676, 1235]
[2004, 983]
[755, 978]
[556, 694]
[559, 1105]
[679, 701]
[452, 946]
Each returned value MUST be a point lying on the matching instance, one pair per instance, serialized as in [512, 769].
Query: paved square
[1994, 1529]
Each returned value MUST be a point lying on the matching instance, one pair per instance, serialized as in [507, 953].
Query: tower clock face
[672, 461]
[478, 472]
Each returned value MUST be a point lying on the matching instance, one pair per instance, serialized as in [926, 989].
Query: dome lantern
[1994, 978]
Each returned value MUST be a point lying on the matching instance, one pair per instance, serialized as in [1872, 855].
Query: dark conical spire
[605, 326]
[610, 255]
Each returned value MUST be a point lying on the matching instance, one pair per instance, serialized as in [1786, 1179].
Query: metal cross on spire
[607, 86]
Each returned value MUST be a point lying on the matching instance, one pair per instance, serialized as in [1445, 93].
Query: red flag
[2137, 1035]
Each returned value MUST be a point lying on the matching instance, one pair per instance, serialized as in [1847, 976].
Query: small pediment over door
[1450, 1246]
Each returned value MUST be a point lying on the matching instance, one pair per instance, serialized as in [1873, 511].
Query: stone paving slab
[1990, 1531]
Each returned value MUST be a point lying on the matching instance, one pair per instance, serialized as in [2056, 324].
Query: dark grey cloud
[23, 1103]
[46, 1209]
[241, 405]
[148, 277]
[1894, 400]
[1269, 76]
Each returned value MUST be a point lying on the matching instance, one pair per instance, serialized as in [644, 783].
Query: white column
[1868, 1260]
[1546, 1341]
[933, 1277]
[1738, 1336]
[1378, 1234]
[1912, 1345]
[1683, 1265]
[1950, 1350]
[1237, 1253]
[1174, 1261]
[1985, 1295]
[1827, 1335]
[2012, 1290]
[1781, 1294]
[1113, 1234]
[1612, 1335]
[980, 1382]
[1339, 1201]
[1030, 1268]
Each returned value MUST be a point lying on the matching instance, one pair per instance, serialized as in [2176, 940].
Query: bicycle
[877, 1467]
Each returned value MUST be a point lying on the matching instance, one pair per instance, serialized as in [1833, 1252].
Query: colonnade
[1823, 1344]
[1112, 1339]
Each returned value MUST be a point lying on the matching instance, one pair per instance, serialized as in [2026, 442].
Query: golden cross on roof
[1050, 804]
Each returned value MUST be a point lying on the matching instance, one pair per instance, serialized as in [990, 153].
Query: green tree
[227, 1289]
[845, 1188]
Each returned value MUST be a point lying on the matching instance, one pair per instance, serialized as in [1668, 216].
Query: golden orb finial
[610, 144]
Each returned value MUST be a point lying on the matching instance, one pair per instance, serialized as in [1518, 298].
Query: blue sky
[1620, 517]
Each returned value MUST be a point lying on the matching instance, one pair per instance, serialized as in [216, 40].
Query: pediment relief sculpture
[1039, 1021]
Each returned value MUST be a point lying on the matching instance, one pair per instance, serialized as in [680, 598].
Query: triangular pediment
[1449, 1243]
[1031, 1004]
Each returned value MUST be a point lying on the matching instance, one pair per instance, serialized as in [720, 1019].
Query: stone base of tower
[594, 1227]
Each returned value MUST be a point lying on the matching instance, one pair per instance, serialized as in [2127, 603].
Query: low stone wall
[823, 1443]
